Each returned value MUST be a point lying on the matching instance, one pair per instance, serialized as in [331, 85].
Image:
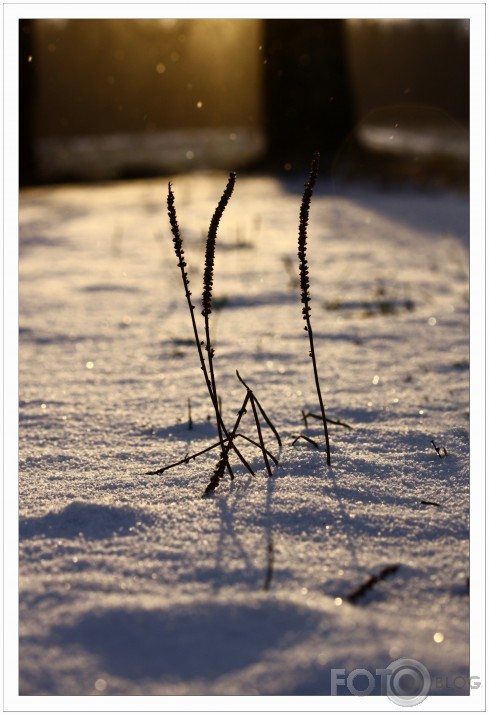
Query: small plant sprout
[441, 451]
[304, 286]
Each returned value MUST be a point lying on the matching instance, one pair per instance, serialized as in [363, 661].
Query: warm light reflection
[148, 93]
[162, 71]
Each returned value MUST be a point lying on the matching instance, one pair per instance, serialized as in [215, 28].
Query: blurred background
[112, 99]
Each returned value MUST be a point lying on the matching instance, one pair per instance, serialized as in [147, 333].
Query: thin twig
[260, 436]
[308, 439]
[319, 417]
[185, 460]
[218, 472]
[190, 457]
[359, 592]
[264, 414]
[252, 441]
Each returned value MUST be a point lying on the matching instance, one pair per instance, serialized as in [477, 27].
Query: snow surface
[132, 584]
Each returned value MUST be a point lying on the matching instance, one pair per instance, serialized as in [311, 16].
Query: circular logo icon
[408, 683]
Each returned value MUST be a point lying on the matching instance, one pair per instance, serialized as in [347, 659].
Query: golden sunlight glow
[150, 74]
[178, 93]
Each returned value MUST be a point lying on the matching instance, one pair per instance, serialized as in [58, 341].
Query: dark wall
[308, 103]
[27, 88]
[410, 63]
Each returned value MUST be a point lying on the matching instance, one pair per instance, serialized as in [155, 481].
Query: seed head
[303, 222]
[210, 247]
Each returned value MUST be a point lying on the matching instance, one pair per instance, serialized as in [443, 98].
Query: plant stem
[189, 457]
[264, 414]
[304, 283]
[319, 417]
[185, 460]
[177, 242]
[260, 436]
[252, 441]
[215, 401]
[178, 245]
[318, 389]
[207, 303]
[219, 470]
[308, 439]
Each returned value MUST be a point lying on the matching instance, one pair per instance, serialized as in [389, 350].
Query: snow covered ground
[132, 584]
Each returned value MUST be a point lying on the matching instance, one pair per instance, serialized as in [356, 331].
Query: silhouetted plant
[306, 415]
[221, 464]
[207, 296]
[262, 411]
[210, 251]
[441, 451]
[307, 439]
[256, 407]
[226, 438]
[304, 284]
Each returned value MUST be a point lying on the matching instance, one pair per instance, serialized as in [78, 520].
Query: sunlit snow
[133, 584]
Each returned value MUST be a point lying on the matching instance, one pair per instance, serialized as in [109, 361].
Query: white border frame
[476, 12]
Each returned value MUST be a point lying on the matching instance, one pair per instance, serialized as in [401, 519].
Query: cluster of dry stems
[228, 437]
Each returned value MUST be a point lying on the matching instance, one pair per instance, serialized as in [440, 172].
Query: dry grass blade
[358, 593]
[220, 467]
[260, 436]
[263, 413]
[206, 301]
